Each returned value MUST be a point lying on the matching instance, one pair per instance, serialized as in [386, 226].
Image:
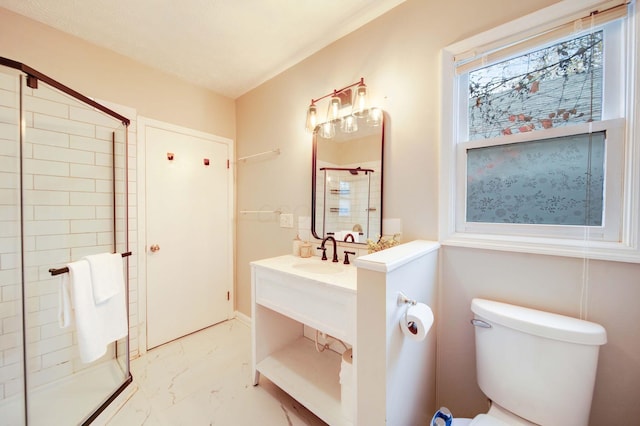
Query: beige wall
[102, 74]
[398, 55]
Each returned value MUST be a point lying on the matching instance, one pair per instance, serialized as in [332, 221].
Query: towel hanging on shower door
[97, 325]
[107, 279]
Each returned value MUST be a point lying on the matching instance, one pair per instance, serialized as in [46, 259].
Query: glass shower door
[12, 401]
[74, 192]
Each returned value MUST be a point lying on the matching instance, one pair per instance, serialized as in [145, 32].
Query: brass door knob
[154, 248]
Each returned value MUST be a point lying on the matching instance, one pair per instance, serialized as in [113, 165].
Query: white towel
[96, 325]
[65, 313]
[106, 275]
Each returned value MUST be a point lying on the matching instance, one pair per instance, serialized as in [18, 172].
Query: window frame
[623, 183]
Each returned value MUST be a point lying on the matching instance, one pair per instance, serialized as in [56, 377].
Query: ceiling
[228, 46]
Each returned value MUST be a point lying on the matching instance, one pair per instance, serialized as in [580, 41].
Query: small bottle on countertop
[305, 249]
[297, 242]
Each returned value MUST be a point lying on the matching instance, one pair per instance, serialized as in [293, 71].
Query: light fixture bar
[335, 92]
[340, 95]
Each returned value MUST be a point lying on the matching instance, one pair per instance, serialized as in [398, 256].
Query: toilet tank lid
[540, 323]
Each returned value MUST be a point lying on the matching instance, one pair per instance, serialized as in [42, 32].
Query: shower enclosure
[63, 186]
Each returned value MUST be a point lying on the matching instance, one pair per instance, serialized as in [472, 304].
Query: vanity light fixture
[335, 105]
[361, 100]
[312, 116]
[340, 99]
[375, 117]
[350, 124]
[327, 129]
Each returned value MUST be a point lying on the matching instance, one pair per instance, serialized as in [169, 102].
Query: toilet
[536, 368]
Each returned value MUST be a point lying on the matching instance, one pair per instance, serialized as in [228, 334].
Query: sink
[319, 268]
[323, 272]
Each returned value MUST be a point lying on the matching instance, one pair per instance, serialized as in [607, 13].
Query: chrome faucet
[324, 249]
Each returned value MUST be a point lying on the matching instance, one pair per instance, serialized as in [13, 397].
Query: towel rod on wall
[260, 211]
[273, 151]
[64, 270]
[353, 171]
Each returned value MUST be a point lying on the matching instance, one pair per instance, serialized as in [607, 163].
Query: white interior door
[188, 235]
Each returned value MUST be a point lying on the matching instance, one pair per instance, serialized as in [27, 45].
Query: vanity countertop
[312, 268]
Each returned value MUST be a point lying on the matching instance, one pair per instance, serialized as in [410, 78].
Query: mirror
[347, 179]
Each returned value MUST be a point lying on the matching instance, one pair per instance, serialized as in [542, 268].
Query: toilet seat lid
[486, 420]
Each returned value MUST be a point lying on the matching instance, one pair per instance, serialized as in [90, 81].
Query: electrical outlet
[286, 220]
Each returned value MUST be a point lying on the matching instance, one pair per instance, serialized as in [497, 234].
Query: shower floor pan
[67, 401]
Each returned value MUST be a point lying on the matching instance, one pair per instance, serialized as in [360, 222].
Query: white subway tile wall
[68, 213]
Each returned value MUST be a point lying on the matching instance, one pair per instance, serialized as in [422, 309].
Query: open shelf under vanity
[311, 377]
[284, 303]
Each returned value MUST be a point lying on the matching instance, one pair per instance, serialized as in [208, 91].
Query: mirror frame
[314, 178]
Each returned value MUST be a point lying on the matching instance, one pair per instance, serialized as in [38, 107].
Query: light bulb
[327, 130]
[350, 124]
[334, 108]
[375, 117]
[360, 100]
[312, 118]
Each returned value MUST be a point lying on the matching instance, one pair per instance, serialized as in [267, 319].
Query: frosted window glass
[556, 181]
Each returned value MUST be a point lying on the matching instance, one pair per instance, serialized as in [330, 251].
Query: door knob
[154, 248]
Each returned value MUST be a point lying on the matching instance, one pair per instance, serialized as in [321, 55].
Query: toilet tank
[538, 365]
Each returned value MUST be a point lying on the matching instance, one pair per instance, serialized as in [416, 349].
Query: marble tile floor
[205, 379]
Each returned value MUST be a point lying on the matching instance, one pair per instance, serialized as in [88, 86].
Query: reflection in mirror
[347, 179]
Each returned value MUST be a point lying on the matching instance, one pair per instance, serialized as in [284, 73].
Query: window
[539, 152]
[550, 182]
[557, 85]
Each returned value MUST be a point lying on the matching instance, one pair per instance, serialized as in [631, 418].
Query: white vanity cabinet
[287, 293]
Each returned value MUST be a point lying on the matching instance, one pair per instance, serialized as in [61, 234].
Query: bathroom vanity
[289, 292]
[394, 375]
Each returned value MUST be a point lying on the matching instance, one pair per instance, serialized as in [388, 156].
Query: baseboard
[246, 320]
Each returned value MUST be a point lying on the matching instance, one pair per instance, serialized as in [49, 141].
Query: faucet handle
[346, 256]
[324, 252]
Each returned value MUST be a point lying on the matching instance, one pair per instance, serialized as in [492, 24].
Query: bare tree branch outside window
[554, 86]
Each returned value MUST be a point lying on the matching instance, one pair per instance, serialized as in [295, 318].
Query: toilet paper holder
[404, 300]
[417, 319]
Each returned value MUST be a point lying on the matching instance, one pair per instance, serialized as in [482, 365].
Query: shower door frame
[32, 78]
